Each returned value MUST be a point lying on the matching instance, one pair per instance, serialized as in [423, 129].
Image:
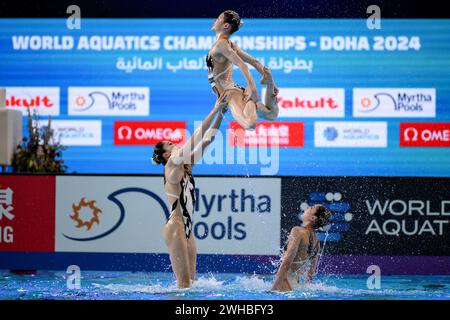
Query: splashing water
[98, 285]
[321, 252]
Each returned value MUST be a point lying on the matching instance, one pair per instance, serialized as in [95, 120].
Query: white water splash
[253, 283]
[209, 283]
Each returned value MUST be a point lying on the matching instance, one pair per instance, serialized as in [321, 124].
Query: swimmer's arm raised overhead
[225, 49]
[210, 134]
[183, 155]
[288, 257]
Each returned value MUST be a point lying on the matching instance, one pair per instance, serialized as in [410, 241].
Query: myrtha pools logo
[340, 210]
[109, 101]
[394, 102]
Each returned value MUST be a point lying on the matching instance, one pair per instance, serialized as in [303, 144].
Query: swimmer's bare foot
[267, 79]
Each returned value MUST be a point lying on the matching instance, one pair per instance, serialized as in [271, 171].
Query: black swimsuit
[186, 199]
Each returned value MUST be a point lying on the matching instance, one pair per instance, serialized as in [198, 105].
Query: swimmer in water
[302, 253]
[244, 103]
[179, 186]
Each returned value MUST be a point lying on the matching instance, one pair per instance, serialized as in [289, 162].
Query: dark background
[211, 8]
[356, 190]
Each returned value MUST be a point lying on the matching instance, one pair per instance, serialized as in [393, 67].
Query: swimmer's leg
[243, 112]
[269, 110]
[178, 251]
[192, 256]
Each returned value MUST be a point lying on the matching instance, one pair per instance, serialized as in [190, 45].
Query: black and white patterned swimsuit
[185, 200]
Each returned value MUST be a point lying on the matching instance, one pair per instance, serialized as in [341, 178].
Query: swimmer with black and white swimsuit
[179, 186]
[301, 256]
[244, 103]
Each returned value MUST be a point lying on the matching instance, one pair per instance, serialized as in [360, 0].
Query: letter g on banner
[374, 20]
[73, 21]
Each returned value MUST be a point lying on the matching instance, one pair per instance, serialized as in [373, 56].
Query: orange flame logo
[76, 214]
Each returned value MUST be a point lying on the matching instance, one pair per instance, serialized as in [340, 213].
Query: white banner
[109, 101]
[394, 102]
[42, 100]
[350, 134]
[127, 214]
[310, 102]
[76, 132]
[238, 216]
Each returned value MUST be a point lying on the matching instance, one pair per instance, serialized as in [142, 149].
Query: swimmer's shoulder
[299, 232]
[224, 44]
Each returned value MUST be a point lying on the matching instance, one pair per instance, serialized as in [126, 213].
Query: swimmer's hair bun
[155, 160]
[323, 216]
[157, 157]
[232, 17]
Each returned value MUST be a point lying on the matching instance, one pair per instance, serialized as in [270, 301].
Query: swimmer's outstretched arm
[225, 49]
[184, 154]
[249, 59]
[288, 258]
[208, 137]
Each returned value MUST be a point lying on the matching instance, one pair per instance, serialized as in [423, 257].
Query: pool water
[100, 285]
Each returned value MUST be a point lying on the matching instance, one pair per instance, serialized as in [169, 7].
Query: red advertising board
[267, 133]
[27, 213]
[425, 134]
[148, 132]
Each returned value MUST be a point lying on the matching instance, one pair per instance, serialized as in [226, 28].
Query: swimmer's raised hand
[222, 103]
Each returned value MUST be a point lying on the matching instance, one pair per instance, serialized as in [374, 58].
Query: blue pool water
[101, 285]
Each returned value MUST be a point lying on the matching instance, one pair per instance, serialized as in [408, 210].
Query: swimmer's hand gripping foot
[267, 79]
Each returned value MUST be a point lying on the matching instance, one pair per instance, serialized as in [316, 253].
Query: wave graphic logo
[83, 103]
[368, 105]
[109, 101]
[340, 210]
[95, 212]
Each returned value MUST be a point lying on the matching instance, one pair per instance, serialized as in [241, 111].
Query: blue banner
[353, 101]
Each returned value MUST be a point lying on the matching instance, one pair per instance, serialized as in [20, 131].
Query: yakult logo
[425, 134]
[43, 100]
[148, 132]
[311, 102]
